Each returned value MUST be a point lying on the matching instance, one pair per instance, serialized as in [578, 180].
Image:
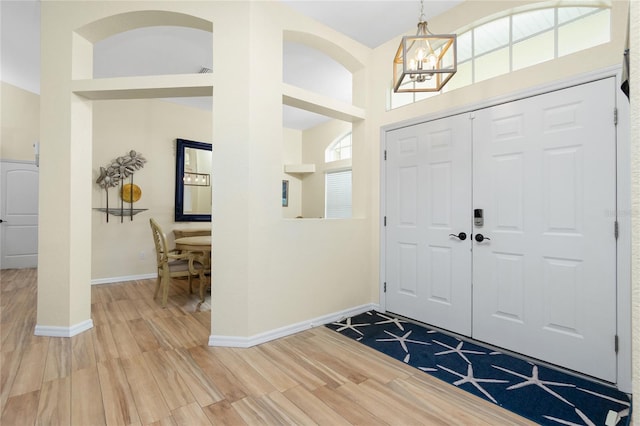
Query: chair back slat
[160, 241]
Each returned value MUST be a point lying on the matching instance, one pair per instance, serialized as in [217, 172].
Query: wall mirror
[193, 181]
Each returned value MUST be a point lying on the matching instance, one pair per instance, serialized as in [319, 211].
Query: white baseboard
[111, 280]
[247, 342]
[55, 331]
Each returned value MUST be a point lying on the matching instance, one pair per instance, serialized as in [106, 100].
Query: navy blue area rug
[544, 395]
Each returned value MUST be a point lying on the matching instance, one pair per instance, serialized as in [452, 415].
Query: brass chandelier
[424, 62]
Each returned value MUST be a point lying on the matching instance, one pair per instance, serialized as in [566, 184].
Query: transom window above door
[519, 40]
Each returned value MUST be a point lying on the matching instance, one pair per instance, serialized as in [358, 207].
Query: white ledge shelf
[310, 101]
[145, 87]
[299, 168]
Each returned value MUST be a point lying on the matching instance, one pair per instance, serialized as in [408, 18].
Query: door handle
[480, 238]
[461, 236]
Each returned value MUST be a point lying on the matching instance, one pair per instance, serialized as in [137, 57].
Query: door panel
[544, 173]
[429, 198]
[19, 213]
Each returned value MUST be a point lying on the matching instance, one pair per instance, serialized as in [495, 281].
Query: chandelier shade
[424, 62]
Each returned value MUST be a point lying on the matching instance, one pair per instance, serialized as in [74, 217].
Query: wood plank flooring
[144, 365]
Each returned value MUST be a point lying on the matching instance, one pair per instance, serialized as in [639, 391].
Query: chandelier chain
[422, 17]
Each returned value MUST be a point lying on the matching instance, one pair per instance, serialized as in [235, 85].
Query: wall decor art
[114, 175]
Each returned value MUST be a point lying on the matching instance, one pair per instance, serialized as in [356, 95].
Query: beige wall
[19, 123]
[151, 128]
[314, 143]
[298, 269]
[265, 268]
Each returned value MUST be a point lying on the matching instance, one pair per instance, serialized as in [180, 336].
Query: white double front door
[536, 273]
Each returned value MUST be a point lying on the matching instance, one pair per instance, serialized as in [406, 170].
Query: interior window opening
[312, 157]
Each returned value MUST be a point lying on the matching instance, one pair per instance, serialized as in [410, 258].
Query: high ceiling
[177, 50]
[371, 22]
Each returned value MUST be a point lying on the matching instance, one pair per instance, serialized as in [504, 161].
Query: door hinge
[616, 229]
[615, 116]
[385, 287]
[616, 343]
[385, 155]
[385, 221]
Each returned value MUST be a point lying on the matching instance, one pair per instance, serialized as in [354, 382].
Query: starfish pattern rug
[544, 395]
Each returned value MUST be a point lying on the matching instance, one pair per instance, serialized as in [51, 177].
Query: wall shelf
[299, 168]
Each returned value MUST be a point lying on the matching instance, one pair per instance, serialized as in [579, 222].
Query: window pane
[345, 152]
[566, 14]
[530, 23]
[465, 48]
[492, 64]
[400, 99]
[328, 155]
[338, 194]
[463, 77]
[345, 141]
[584, 33]
[490, 36]
[533, 50]
[340, 149]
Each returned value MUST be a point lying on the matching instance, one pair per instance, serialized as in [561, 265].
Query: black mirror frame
[180, 216]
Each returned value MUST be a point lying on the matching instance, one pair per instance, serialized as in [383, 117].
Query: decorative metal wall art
[114, 175]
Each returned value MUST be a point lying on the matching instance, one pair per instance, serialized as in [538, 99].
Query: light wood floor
[142, 364]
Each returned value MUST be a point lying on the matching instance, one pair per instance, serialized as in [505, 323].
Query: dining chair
[172, 264]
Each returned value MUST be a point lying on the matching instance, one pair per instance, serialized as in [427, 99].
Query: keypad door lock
[478, 217]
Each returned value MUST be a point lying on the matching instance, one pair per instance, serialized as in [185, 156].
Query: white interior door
[545, 176]
[428, 200]
[19, 214]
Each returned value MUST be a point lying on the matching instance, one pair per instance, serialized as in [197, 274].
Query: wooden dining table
[198, 243]
[199, 249]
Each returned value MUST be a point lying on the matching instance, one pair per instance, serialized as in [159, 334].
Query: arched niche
[313, 98]
[311, 69]
[157, 50]
[110, 25]
[343, 56]
[86, 36]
